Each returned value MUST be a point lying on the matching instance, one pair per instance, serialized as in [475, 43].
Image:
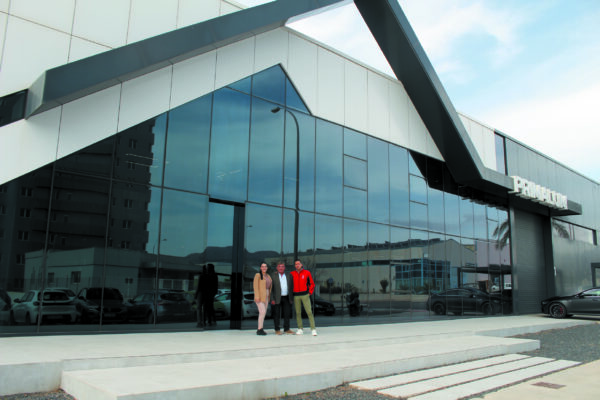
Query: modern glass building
[231, 140]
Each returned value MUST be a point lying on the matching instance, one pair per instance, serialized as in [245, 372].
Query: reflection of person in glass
[304, 287]
[211, 283]
[262, 289]
[198, 296]
[281, 299]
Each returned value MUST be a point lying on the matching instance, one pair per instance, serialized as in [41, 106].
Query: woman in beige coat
[262, 291]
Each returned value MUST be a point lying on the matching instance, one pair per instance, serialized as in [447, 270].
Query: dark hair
[260, 272]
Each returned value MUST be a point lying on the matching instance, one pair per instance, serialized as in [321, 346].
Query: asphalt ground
[580, 343]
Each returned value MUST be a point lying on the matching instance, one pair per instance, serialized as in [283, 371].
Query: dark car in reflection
[586, 302]
[170, 306]
[320, 306]
[461, 300]
[89, 301]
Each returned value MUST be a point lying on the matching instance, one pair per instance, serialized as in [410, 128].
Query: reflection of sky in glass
[329, 168]
[183, 223]
[328, 232]
[378, 169]
[220, 225]
[355, 203]
[263, 228]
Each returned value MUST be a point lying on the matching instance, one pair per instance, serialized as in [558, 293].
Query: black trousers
[284, 308]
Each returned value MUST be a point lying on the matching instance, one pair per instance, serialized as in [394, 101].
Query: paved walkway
[239, 364]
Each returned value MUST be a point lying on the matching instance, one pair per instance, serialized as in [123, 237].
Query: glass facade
[125, 227]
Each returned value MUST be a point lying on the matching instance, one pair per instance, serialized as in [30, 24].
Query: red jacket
[303, 282]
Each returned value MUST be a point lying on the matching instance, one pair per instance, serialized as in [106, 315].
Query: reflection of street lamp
[274, 111]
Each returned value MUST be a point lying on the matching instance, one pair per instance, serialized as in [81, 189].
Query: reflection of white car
[222, 305]
[56, 305]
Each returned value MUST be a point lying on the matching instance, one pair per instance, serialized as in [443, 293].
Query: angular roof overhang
[384, 18]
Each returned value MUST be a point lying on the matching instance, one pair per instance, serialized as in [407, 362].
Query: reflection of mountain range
[224, 254]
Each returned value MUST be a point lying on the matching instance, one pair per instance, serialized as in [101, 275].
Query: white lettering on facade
[530, 190]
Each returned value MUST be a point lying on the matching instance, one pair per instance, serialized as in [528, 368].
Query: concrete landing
[239, 364]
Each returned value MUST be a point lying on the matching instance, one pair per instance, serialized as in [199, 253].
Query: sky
[530, 69]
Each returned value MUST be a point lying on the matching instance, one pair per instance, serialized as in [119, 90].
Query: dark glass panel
[380, 280]
[399, 193]
[139, 152]
[439, 252]
[306, 239]
[452, 214]
[12, 107]
[400, 265]
[265, 180]
[243, 85]
[290, 237]
[270, 84]
[355, 203]
[329, 165]
[413, 168]
[356, 278]
[379, 181]
[355, 173]
[436, 210]
[188, 145]
[96, 159]
[418, 215]
[355, 144]
[466, 217]
[418, 189]
[293, 99]
[329, 257]
[299, 128]
[229, 145]
[479, 221]
[24, 206]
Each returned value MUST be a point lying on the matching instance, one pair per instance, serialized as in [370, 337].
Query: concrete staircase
[241, 365]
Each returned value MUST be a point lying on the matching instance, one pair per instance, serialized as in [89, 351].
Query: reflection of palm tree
[560, 229]
[502, 232]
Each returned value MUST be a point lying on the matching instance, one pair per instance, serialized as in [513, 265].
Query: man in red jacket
[304, 287]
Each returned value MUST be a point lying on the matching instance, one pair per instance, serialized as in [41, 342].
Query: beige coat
[260, 288]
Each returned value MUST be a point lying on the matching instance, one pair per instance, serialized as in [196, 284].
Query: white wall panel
[145, 97]
[227, 8]
[194, 11]
[234, 62]
[398, 114]
[88, 120]
[477, 139]
[28, 144]
[29, 50]
[302, 68]
[489, 145]
[104, 22]
[193, 78]
[4, 5]
[84, 48]
[330, 89]
[355, 96]
[378, 105]
[418, 133]
[3, 21]
[271, 48]
[150, 18]
[56, 14]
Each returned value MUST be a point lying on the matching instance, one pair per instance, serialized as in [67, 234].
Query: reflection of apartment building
[151, 138]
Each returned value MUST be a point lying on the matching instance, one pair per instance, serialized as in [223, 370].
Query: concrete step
[275, 372]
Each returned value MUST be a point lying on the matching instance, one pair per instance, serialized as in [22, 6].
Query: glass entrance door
[224, 242]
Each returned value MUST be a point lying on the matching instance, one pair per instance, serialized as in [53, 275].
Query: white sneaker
[314, 332]
[299, 332]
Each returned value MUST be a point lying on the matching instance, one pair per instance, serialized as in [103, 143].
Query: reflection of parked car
[586, 302]
[5, 306]
[462, 300]
[320, 306]
[90, 299]
[68, 291]
[55, 305]
[171, 305]
[222, 305]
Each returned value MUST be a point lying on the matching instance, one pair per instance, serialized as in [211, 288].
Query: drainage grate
[549, 385]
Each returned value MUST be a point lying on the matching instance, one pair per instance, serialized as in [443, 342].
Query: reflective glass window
[96, 159]
[328, 257]
[381, 283]
[270, 84]
[265, 181]
[355, 203]
[399, 193]
[263, 236]
[418, 215]
[329, 163]
[306, 237]
[479, 221]
[355, 173]
[452, 214]
[418, 189]
[436, 210]
[229, 145]
[188, 145]
[355, 144]
[413, 168]
[299, 129]
[243, 85]
[379, 181]
[466, 217]
[293, 99]
[139, 152]
[356, 276]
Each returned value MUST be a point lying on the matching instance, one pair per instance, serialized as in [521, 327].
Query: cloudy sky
[529, 69]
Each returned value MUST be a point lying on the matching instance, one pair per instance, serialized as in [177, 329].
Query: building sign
[532, 191]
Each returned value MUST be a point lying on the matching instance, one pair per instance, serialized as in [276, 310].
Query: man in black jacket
[282, 297]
